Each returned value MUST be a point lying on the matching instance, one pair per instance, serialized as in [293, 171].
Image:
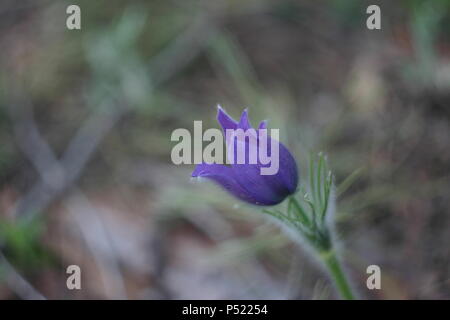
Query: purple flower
[245, 181]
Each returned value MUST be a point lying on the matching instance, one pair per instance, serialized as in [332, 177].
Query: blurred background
[86, 117]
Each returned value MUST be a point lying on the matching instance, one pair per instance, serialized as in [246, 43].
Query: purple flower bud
[245, 181]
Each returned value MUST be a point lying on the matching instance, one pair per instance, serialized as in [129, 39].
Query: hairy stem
[337, 274]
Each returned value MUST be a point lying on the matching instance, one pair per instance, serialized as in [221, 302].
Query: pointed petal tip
[197, 171]
[224, 119]
[244, 123]
[220, 111]
[194, 179]
[263, 124]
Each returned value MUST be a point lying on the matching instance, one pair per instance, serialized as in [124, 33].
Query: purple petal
[263, 124]
[260, 187]
[269, 188]
[244, 123]
[245, 181]
[225, 120]
[224, 176]
[288, 173]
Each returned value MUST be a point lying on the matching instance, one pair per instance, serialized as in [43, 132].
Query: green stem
[337, 274]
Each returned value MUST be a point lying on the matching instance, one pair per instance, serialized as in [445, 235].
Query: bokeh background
[85, 123]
